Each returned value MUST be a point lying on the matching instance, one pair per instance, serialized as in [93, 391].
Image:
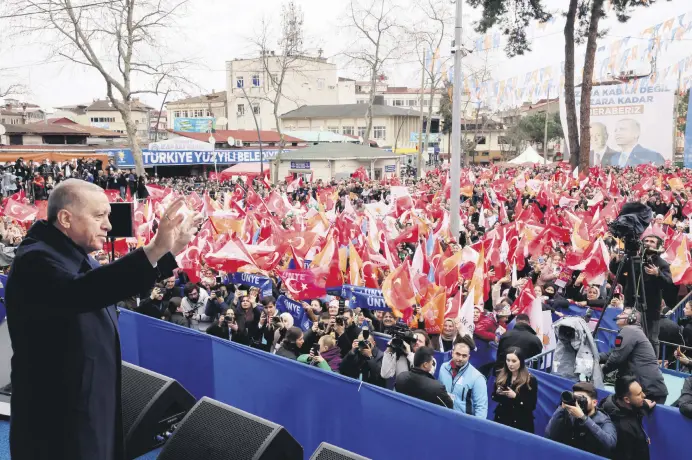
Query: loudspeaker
[121, 220]
[327, 451]
[153, 405]
[216, 431]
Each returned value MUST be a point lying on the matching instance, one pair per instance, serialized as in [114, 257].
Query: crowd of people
[525, 233]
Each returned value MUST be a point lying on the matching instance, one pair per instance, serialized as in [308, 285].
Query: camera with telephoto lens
[400, 334]
[229, 319]
[630, 224]
[570, 399]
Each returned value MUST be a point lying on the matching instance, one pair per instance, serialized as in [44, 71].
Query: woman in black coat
[516, 392]
[248, 317]
[290, 346]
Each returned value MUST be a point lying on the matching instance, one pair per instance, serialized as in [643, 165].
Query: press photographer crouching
[364, 361]
[580, 424]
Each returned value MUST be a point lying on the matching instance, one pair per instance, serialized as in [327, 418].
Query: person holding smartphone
[226, 327]
[325, 354]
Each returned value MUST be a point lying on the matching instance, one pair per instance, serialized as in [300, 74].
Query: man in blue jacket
[580, 424]
[465, 385]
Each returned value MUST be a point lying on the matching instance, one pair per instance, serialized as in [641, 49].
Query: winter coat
[485, 327]
[357, 366]
[634, 354]
[522, 336]
[288, 350]
[576, 353]
[633, 443]
[333, 358]
[596, 434]
[468, 389]
[517, 412]
[684, 402]
[420, 384]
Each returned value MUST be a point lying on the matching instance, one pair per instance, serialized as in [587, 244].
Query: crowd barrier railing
[676, 312]
[317, 406]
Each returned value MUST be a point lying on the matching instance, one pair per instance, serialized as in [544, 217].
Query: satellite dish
[2, 130]
[212, 140]
[230, 140]
[222, 121]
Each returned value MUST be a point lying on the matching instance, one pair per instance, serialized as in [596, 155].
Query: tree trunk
[371, 101]
[587, 84]
[131, 131]
[570, 102]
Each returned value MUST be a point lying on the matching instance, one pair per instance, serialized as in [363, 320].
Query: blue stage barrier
[3, 311]
[317, 406]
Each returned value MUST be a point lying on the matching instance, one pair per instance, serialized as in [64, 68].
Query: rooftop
[104, 105]
[218, 96]
[61, 127]
[347, 111]
[243, 135]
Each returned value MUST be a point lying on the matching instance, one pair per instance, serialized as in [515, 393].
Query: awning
[244, 169]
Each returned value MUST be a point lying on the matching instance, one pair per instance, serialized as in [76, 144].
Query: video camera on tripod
[628, 226]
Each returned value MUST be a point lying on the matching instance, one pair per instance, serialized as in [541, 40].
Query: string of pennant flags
[611, 59]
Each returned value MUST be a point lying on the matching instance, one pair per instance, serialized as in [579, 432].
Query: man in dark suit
[601, 154]
[64, 328]
[521, 336]
[419, 382]
[632, 153]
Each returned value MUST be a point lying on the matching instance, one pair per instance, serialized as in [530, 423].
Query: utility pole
[420, 122]
[545, 130]
[455, 158]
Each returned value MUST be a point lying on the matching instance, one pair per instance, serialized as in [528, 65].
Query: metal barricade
[542, 362]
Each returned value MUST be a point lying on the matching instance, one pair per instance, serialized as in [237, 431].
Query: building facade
[194, 113]
[13, 112]
[102, 114]
[251, 88]
[391, 126]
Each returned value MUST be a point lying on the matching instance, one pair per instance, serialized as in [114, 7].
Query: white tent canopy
[528, 156]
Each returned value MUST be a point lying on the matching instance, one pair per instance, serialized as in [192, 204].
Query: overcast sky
[214, 31]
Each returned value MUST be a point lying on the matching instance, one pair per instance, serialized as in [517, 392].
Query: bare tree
[375, 25]
[118, 39]
[11, 89]
[429, 35]
[275, 67]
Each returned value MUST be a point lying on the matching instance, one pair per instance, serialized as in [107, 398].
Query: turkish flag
[524, 300]
[42, 206]
[303, 284]
[113, 196]
[397, 290]
[20, 211]
[232, 256]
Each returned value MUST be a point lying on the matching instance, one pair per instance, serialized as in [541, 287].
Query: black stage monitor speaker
[121, 220]
[216, 431]
[327, 451]
[153, 405]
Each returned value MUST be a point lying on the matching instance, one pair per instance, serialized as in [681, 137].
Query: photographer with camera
[248, 318]
[192, 305]
[398, 357]
[657, 279]
[364, 361]
[226, 327]
[324, 354]
[155, 305]
[216, 304]
[580, 424]
[633, 354]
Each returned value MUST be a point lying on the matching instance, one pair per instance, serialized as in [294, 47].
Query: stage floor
[5, 444]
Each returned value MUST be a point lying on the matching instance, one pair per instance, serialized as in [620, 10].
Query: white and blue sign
[151, 158]
[369, 298]
[300, 165]
[296, 310]
[194, 125]
[432, 137]
[389, 168]
[262, 282]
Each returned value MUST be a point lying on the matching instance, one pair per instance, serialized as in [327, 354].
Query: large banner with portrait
[630, 124]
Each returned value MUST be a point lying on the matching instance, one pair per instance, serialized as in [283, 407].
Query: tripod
[635, 275]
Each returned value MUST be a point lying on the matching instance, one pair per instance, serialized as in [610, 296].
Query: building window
[485, 154]
[333, 129]
[361, 131]
[256, 109]
[347, 130]
[241, 110]
[208, 113]
[198, 113]
[412, 102]
[480, 140]
[176, 114]
[320, 83]
[361, 102]
[380, 132]
[239, 81]
[255, 80]
[184, 113]
[397, 102]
